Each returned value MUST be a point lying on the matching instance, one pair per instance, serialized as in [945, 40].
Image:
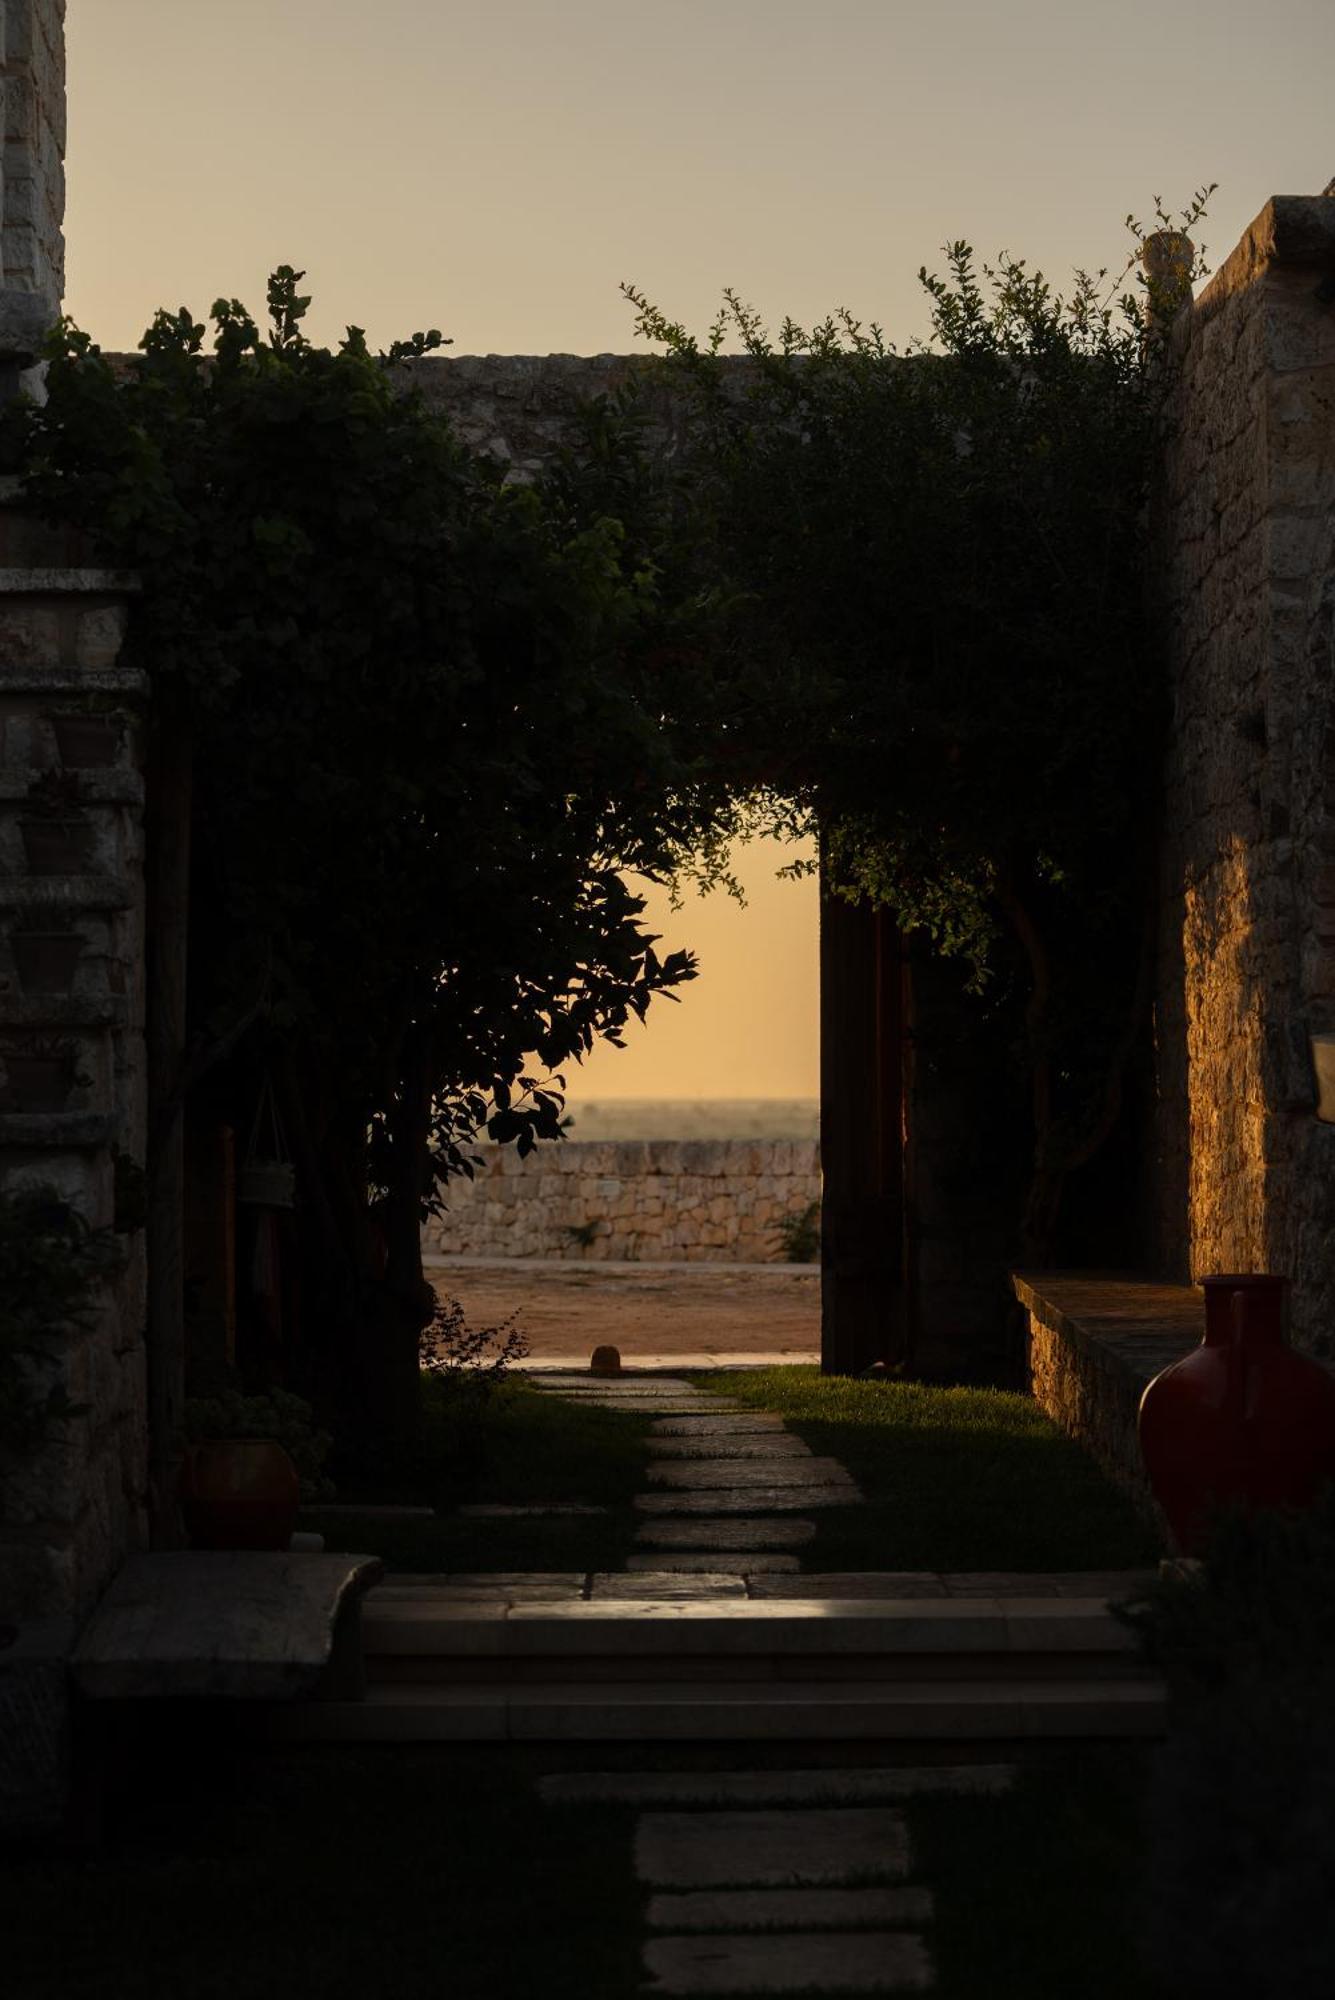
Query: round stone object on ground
[605, 1361]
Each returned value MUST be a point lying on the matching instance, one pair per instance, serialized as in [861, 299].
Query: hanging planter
[46, 961]
[87, 742]
[239, 1493]
[267, 1179]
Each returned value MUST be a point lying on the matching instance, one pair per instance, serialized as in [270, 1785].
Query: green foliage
[287, 1419]
[50, 1262]
[1240, 1872]
[799, 1234]
[939, 559]
[432, 725]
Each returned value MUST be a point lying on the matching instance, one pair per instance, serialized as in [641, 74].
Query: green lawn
[516, 1448]
[959, 1479]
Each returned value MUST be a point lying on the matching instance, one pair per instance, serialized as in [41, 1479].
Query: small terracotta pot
[46, 960]
[239, 1493]
[86, 741]
[57, 846]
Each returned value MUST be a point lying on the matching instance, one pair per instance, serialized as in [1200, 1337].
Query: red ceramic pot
[239, 1493]
[1242, 1420]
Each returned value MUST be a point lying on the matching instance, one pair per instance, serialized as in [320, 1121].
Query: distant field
[695, 1118]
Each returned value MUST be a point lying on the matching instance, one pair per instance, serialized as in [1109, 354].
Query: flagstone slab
[746, 1562]
[760, 1444]
[734, 1535]
[834, 1787]
[834, 1961]
[878, 1583]
[788, 1909]
[748, 1499]
[668, 1585]
[514, 1585]
[767, 1471]
[774, 1847]
[737, 1423]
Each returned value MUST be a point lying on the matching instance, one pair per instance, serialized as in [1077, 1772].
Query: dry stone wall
[705, 1201]
[1246, 1174]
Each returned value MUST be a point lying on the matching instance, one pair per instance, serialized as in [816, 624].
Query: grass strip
[517, 1446]
[954, 1478]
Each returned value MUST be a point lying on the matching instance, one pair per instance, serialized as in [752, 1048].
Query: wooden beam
[863, 1303]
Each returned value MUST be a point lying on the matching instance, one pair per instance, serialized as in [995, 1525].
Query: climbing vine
[940, 556]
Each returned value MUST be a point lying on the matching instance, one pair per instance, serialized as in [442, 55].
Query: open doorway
[680, 1219]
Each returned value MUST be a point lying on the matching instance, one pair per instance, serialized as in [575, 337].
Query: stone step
[831, 1961]
[730, 1712]
[405, 1636]
[839, 1787]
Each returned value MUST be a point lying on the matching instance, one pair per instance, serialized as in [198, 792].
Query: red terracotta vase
[1242, 1420]
[239, 1493]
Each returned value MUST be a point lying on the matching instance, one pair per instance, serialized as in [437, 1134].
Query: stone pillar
[32, 178]
[71, 869]
[1246, 1174]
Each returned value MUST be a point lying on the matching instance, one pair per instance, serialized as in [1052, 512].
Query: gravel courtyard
[695, 1313]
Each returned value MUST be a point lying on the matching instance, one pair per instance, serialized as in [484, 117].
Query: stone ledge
[56, 681]
[1140, 1324]
[54, 1131]
[64, 1010]
[67, 893]
[239, 1626]
[1096, 1339]
[68, 583]
[99, 785]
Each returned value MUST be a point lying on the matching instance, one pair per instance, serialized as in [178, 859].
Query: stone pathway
[780, 1881]
[726, 1482]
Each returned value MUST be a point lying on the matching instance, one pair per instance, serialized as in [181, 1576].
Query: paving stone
[774, 1848]
[853, 1583]
[757, 1444]
[745, 1561]
[480, 1583]
[768, 1471]
[482, 1589]
[487, 1512]
[788, 1909]
[836, 1961]
[735, 1423]
[837, 1787]
[733, 1535]
[748, 1500]
[669, 1585]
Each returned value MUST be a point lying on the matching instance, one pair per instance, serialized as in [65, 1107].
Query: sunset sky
[496, 168]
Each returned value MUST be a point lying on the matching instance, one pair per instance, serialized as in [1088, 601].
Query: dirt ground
[699, 1314]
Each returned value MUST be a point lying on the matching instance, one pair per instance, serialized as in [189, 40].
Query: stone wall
[1245, 1172]
[698, 1200]
[72, 988]
[32, 70]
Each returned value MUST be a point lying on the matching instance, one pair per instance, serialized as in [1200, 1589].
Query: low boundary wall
[703, 1200]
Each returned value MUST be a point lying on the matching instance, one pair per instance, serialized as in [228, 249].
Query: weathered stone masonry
[1246, 1173]
[690, 1200]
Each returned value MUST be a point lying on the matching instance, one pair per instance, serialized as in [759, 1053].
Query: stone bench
[1095, 1342]
[230, 1626]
